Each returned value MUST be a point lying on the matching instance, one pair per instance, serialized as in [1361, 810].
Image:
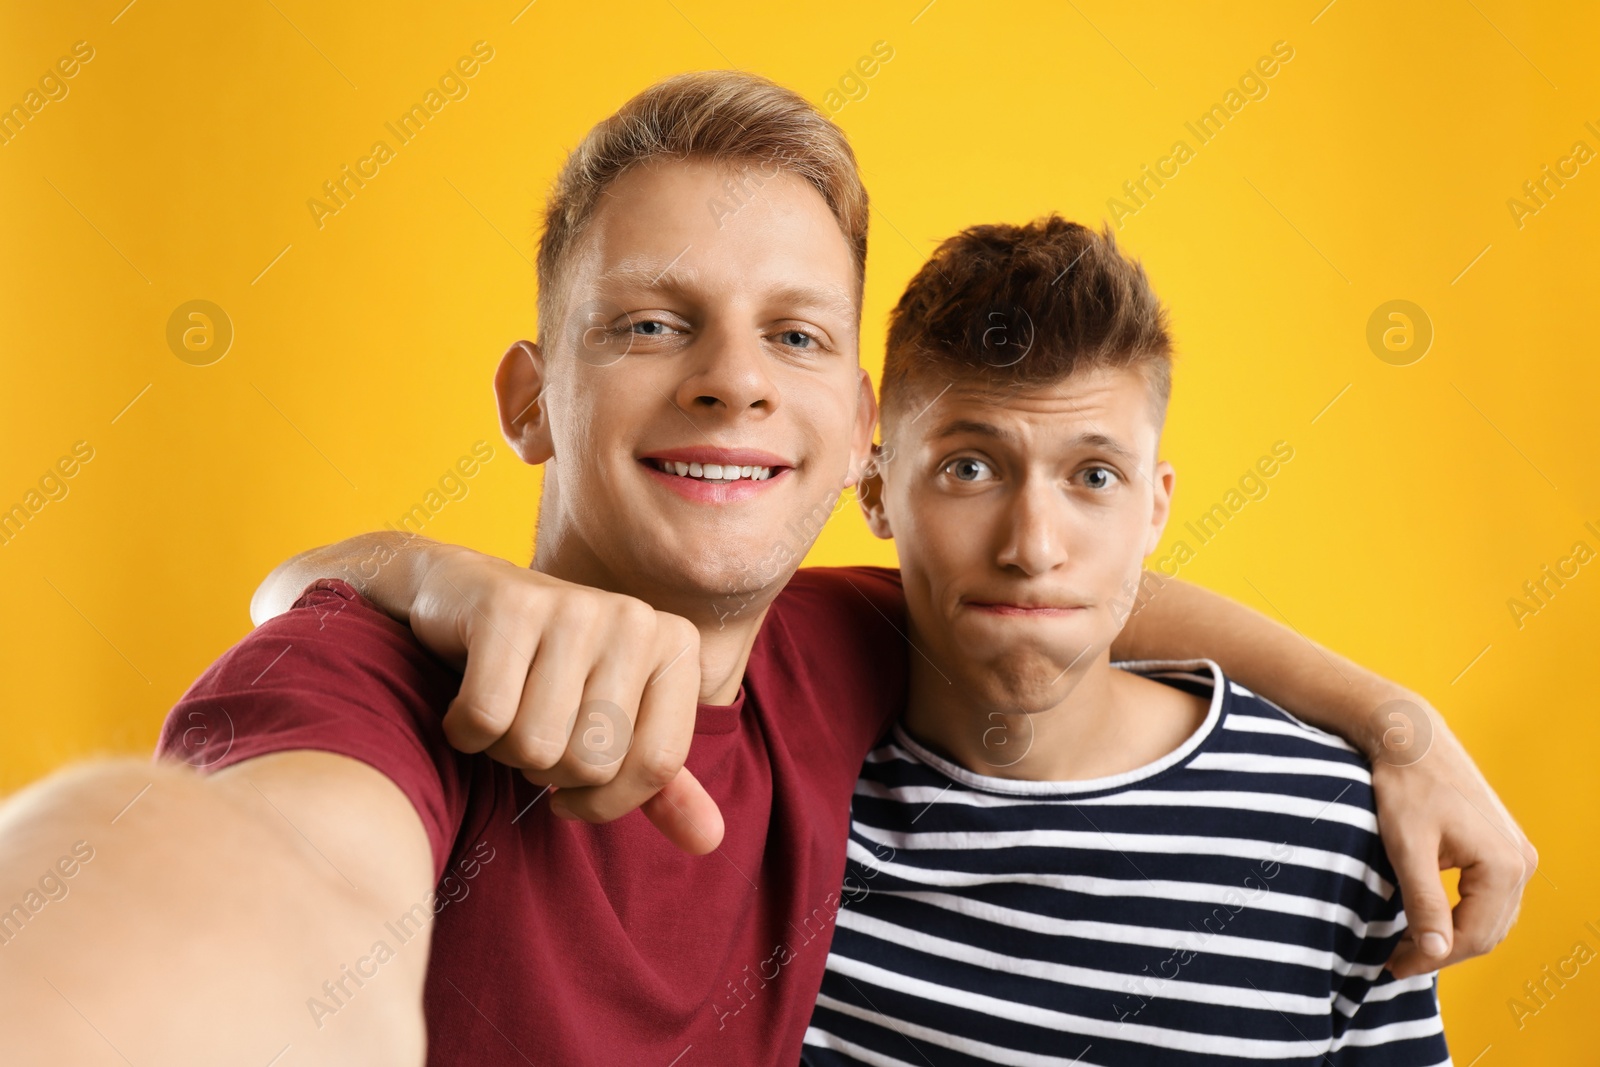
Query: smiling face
[700, 398]
[1022, 517]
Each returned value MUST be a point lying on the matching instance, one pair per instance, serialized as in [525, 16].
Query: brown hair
[722, 115]
[1027, 305]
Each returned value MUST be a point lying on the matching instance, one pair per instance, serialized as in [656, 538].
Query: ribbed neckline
[1024, 787]
[719, 718]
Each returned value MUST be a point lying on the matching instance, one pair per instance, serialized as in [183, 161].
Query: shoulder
[832, 590]
[331, 675]
[834, 642]
[333, 640]
[1321, 792]
[333, 664]
[842, 608]
[855, 612]
[1263, 748]
[1252, 725]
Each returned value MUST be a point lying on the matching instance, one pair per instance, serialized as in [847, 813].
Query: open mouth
[714, 473]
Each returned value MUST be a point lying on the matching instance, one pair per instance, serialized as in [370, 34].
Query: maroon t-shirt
[558, 942]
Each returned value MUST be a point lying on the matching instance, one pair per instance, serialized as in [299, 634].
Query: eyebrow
[663, 276]
[978, 428]
[672, 278]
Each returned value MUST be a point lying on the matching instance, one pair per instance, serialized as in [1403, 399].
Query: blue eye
[968, 470]
[797, 338]
[649, 328]
[1098, 478]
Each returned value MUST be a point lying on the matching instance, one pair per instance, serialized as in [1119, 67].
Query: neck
[727, 625]
[1109, 722]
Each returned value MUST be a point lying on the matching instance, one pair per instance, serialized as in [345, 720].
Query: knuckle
[535, 751]
[679, 630]
[480, 717]
[598, 812]
[582, 773]
[637, 615]
[1511, 870]
[579, 611]
[500, 601]
[658, 766]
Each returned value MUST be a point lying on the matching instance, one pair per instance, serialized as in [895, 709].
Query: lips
[738, 457]
[1034, 609]
[715, 475]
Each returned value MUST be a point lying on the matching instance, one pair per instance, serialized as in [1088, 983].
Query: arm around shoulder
[383, 566]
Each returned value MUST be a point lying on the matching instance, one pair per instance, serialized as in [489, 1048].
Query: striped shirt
[1229, 903]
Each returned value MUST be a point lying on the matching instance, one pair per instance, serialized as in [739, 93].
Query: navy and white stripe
[1229, 903]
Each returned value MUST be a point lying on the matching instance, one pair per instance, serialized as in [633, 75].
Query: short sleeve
[333, 674]
[1378, 1020]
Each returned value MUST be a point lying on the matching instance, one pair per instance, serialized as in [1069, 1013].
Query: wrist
[1400, 729]
[390, 572]
[420, 575]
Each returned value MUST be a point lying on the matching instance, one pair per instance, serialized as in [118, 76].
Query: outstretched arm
[1435, 809]
[185, 920]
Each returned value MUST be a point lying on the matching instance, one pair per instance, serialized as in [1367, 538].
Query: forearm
[191, 929]
[1177, 620]
[383, 566]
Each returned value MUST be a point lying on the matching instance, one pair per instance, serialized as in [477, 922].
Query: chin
[727, 572]
[1018, 684]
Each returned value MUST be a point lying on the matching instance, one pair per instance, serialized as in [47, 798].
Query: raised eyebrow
[1101, 441]
[976, 427]
[1082, 440]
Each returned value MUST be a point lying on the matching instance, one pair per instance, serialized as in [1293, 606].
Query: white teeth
[716, 472]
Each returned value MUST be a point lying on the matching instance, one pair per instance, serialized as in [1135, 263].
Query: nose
[1034, 541]
[728, 374]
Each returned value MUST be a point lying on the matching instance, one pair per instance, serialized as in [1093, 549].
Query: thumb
[686, 814]
[1426, 944]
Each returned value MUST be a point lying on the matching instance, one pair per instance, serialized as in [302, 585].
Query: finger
[1428, 938]
[535, 741]
[686, 814]
[1491, 892]
[491, 686]
[605, 742]
[661, 735]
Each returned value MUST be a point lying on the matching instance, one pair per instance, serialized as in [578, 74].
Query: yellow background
[1377, 168]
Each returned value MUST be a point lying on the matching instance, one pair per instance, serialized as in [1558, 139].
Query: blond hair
[724, 116]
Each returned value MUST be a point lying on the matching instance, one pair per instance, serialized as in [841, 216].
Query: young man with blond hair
[253, 909]
[1053, 860]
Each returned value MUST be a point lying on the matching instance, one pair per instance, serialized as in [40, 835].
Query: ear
[1165, 479]
[869, 494]
[519, 384]
[862, 450]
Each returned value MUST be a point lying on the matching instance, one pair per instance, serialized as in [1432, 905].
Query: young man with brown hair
[1053, 860]
[679, 345]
